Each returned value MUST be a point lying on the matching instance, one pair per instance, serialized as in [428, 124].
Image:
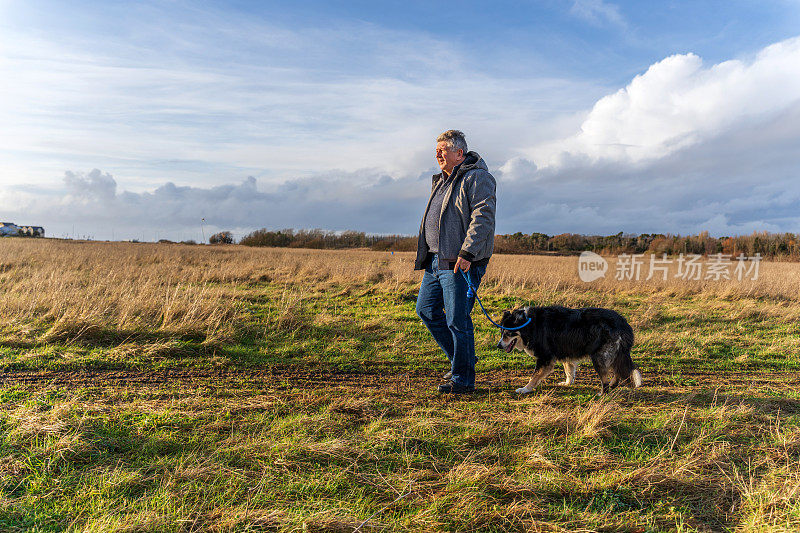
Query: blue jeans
[444, 307]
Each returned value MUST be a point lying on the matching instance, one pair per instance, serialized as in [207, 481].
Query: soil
[303, 378]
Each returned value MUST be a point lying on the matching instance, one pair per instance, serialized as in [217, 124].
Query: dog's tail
[636, 378]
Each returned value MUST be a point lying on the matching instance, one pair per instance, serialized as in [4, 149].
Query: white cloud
[225, 94]
[678, 102]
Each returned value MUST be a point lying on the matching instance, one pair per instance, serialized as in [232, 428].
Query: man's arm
[481, 191]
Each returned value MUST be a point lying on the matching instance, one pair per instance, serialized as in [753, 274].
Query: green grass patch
[319, 414]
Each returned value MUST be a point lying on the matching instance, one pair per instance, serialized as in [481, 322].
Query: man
[456, 234]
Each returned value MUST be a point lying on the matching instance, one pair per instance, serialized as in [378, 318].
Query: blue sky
[138, 119]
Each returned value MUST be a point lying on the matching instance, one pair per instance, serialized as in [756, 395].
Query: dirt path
[294, 377]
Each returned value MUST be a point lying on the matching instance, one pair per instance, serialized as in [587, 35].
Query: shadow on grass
[118, 349]
[100, 337]
[770, 406]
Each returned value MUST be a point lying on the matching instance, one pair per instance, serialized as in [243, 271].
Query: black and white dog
[568, 336]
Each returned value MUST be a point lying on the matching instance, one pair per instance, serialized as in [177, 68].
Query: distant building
[32, 231]
[9, 229]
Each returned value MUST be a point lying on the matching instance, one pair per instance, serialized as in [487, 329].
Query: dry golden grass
[80, 288]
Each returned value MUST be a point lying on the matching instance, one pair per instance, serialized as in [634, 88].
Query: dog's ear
[519, 315]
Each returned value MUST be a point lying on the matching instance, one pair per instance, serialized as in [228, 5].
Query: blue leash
[472, 291]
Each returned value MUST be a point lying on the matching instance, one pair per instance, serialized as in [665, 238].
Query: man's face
[446, 157]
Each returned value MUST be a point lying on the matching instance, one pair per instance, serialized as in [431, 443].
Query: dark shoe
[455, 388]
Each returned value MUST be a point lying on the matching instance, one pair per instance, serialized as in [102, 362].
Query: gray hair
[455, 140]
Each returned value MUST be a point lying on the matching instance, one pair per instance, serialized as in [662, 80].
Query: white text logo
[591, 266]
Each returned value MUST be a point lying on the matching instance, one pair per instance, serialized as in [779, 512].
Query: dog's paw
[564, 383]
[522, 390]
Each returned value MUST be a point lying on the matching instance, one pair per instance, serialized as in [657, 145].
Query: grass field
[185, 388]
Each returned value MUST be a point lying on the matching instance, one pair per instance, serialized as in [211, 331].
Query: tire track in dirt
[294, 377]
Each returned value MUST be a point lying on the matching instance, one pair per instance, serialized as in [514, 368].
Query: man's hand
[463, 264]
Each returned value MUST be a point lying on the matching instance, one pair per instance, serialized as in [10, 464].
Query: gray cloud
[733, 170]
[360, 200]
[741, 181]
[738, 182]
[93, 184]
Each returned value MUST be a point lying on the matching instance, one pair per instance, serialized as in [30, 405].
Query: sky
[176, 119]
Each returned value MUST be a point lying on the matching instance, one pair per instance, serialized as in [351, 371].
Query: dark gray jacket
[466, 223]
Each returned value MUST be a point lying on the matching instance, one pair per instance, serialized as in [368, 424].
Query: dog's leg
[606, 381]
[606, 374]
[570, 369]
[605, 362]
[538, 377]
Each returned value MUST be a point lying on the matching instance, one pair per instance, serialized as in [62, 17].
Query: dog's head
[512, 339]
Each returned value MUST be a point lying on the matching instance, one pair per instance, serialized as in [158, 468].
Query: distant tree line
[769, 245]
[321, 239]
[783, 245]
